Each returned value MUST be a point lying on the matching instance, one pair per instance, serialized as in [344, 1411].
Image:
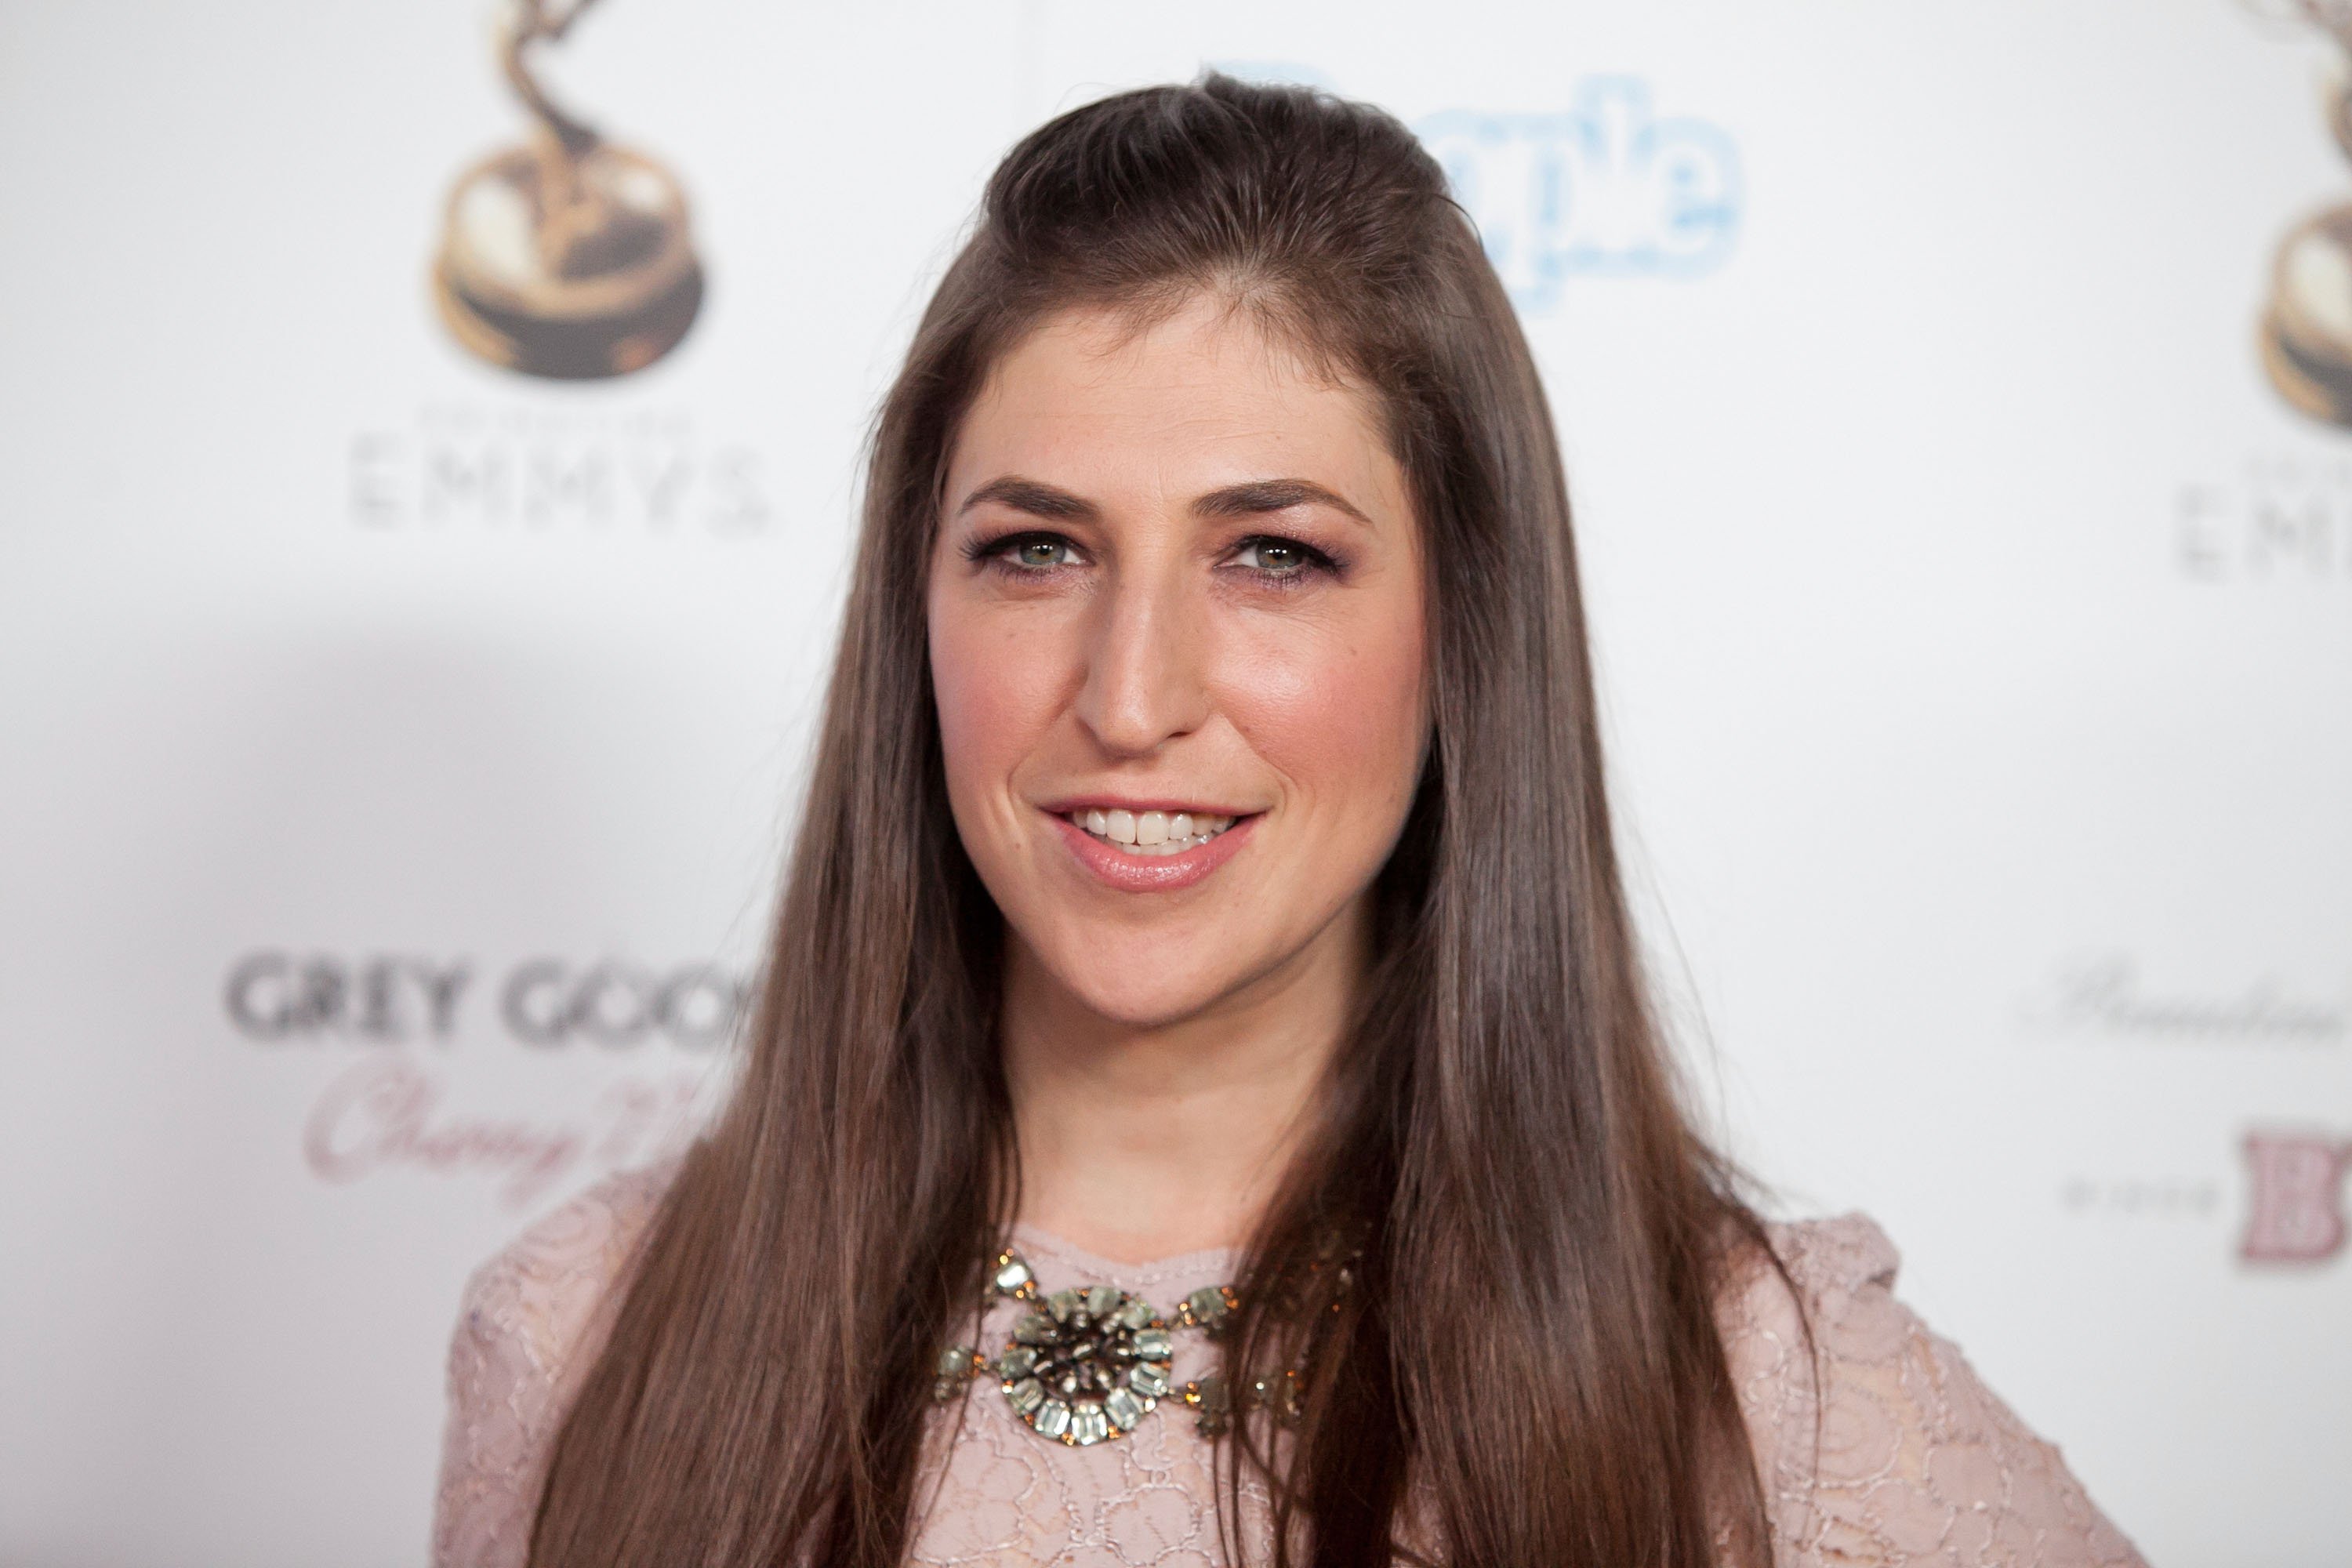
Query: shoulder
[540, 1294]
[528, 1327]
[1876, 1441]
[1829, 1279]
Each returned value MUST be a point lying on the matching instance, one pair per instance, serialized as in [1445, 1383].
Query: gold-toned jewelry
[1085, 1365]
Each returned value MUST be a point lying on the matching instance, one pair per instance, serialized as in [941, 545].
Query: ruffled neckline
[1034, 1242]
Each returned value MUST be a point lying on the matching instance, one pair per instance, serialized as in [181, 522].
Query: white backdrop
[395, 751]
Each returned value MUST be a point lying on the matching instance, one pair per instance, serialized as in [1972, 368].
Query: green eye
[1039, 552]
[1277, 557]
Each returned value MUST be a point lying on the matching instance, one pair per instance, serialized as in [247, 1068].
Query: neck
[1141, 1141]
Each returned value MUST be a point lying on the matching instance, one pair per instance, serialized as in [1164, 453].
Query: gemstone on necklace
[956, 1367]
[1207, 1396]
[1207, 1307]
[1085, 1363]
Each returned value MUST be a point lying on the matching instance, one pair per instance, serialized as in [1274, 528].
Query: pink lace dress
[1917, 1462]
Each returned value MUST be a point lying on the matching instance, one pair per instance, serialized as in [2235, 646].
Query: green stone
[1123, 1408]
[1063, 1304]
[1138, 1313]
[1089, 1424]
[1101, 1299]
[1034, 1328]
[1052, 1418]
[1016, 1363]
[1154, 1344]
[1216, 1410]
[956, 1362]
[1149, 1379]
[1012, 1276]
[1026, 1394]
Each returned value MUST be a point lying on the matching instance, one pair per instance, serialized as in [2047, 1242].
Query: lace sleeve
[1913, 1460]
[527, 1328]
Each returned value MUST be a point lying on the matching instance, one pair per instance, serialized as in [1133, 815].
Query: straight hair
[1527, 1368]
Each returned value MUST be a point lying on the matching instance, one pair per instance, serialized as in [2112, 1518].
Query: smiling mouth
[1150, 833]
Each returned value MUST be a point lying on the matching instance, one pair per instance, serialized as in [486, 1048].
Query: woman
[1202, 1105]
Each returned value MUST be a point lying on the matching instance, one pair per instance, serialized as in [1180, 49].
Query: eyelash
[993, 553]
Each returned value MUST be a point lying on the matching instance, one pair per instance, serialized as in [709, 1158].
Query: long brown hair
[1529, 1362]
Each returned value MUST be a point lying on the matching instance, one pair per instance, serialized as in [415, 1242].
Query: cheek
[1340, 715]
[995, 689]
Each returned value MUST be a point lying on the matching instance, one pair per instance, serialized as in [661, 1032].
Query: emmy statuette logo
[567, 257]
[2306, 327]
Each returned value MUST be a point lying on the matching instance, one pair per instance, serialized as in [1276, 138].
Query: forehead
[1096, 400]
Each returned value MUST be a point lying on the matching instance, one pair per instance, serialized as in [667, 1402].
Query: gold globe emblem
[2306, 335]
[568, 257]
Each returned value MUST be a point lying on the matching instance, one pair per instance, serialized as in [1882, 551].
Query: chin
[1103, 982]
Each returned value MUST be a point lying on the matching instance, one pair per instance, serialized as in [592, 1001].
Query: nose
[1145, 681]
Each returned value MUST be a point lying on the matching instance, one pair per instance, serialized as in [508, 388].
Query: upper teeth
[1151, 832]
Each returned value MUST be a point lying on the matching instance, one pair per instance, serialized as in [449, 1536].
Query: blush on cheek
[1343, 720]
[993, 705]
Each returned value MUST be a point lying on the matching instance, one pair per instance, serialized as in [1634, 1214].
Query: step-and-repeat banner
[430, 435]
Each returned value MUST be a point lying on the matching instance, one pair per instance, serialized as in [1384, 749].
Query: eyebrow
[1251, 499]
[1273, 495]
[1030, 496]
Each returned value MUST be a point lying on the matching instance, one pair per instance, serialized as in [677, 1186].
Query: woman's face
[1177, 639]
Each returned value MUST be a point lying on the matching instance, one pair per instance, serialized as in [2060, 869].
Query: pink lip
[1154, 873]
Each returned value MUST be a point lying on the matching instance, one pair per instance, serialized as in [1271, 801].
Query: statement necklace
[1085, 1365]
